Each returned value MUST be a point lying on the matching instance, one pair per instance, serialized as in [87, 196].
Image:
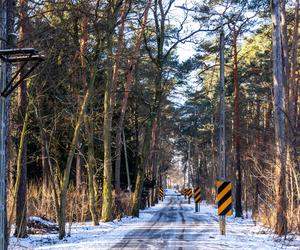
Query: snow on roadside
[85, 235]
[199, 229]
[240, 233]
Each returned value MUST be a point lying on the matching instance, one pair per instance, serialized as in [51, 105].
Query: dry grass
[267, 217]
[121, 204]
[42, 204]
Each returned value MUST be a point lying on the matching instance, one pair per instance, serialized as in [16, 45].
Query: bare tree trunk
[288, 84]
[76, 85]
[279, 120]
[255, 208]
[91, 169]
[107, 126]
[293, 162]
[120, 48]
[107, 174]
[21, 231]
[237, 143]
[293, 94]
[284, 44]
[45, 169]
[89, 125]
[136, 198]
[78, 167]
[154, 157]
[21, 204]
[115, 77]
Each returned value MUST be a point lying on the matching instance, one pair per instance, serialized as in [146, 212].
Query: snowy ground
[172, 224]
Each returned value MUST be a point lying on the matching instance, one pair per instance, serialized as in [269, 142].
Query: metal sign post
[197, 198]
[190, 194]
[222, 149]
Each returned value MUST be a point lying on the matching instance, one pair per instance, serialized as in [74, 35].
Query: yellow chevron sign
[185, 191]
[161, 193]
[224, 198]
[197, 194]
[189, 192]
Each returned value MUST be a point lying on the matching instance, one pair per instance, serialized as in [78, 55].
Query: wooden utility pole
[222, 148]
[3, 235]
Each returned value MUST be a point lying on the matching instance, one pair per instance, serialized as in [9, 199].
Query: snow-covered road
[171, 224]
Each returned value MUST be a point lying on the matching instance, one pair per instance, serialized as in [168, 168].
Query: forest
[119, 107]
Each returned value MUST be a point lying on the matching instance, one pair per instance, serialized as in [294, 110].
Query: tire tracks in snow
[144, 232]
[181, 237]
[166, 229]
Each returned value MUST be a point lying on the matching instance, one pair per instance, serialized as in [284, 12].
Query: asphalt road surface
[173, 227]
